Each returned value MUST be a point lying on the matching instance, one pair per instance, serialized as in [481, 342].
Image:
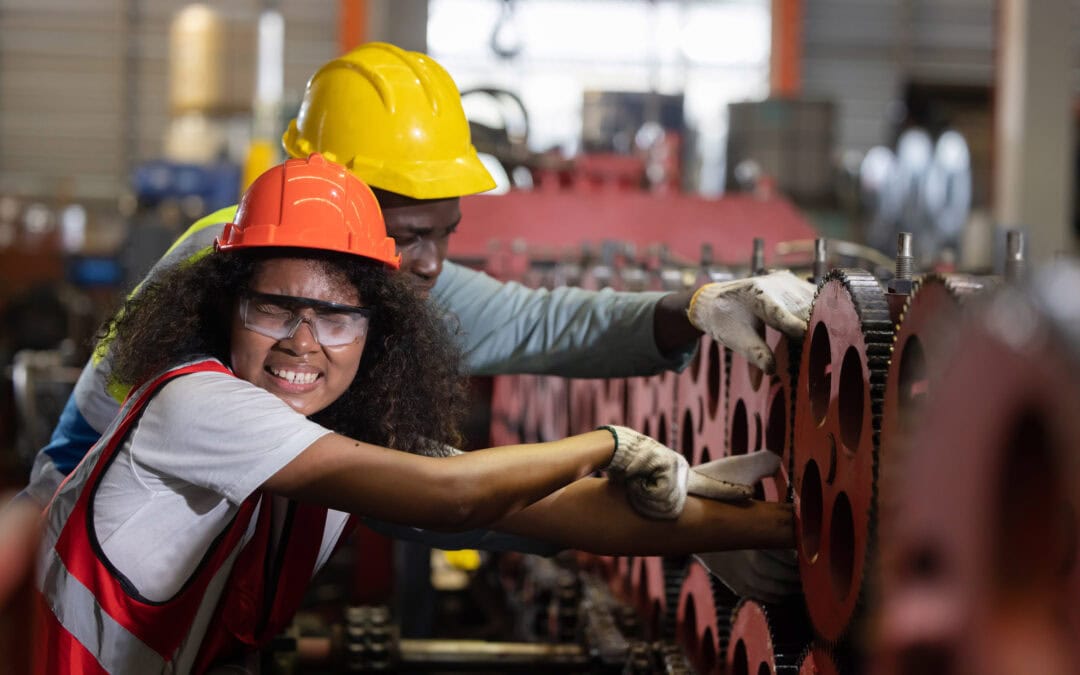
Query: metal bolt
[901, 282]
[1015, 262]
[757, 261]
[903, 256]
[821, 264]
[706, 255]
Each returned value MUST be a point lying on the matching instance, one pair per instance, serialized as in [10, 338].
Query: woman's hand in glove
[658, 479]
[731, 312]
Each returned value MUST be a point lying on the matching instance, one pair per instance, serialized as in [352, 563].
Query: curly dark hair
[407, 393]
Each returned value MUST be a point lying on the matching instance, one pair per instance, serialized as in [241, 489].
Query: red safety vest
[243, 593]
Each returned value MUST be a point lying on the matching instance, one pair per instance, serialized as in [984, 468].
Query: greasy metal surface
[761, 409]
[979, 573]
[837, 413]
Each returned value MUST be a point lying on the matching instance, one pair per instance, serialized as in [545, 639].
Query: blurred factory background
[645, 144]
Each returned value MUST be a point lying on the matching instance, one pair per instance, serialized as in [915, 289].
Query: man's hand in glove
[768, 576]
[732, 311]
[657, 478]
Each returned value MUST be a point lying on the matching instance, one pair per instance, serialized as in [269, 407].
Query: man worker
[395, 119]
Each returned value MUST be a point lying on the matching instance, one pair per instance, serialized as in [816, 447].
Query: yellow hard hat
[394, 118]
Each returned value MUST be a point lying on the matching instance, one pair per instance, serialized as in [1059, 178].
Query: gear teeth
[725, 602]
[674, 574]
[725, 447]
[794, 358]
[837, 662]
[789, 629]
[960, 286]
[789, 632]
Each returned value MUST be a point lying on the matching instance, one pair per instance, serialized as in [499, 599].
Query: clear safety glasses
[279, 317]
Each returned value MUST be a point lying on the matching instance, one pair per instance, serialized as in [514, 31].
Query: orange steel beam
[785, 72]
[352, 28]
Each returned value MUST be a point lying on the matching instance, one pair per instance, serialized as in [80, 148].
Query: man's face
[421, 228]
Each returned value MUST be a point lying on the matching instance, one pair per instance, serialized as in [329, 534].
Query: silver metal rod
[757, 260]
[1015, 260]
[904, 258]
[480, 652]
[821, 260]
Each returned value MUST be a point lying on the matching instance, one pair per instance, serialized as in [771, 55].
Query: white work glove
[765, 575]
[657, 478]
[731, 312]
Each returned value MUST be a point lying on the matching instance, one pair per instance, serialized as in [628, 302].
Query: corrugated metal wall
[861, 53]
[84, 85]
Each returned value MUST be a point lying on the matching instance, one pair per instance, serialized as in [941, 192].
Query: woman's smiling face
[297, 369]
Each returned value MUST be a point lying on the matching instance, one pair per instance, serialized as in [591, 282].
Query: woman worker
[279, 377]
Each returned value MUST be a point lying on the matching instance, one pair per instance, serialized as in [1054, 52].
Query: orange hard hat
[310, 203]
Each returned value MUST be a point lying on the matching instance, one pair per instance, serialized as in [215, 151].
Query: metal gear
[675, 568]
[766, 639]
[930, 310]
[584, 400]
[648, 594]
[552, 399]
[507, 410]
[935, 300]
[979, 572]
[703, 620]
[614, 402]
[761, 409]
[620, 582]
[699, 402]
[837, 420]
[371, 640]
[651, 405]
[655, 583]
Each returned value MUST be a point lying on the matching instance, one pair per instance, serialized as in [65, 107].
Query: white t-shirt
[205, 442]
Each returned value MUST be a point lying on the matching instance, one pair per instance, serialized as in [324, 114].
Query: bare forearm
[672, 329]
[519, 475]
[593, 515]
[467, 491]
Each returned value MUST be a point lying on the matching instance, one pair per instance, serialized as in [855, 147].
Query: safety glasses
[279, 317]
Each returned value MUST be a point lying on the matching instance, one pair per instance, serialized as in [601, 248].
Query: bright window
[713, 52]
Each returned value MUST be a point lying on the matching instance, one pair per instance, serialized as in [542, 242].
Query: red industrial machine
[928, 431]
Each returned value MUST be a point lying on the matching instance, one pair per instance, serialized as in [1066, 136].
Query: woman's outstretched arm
[593, 515]
[471, 490]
